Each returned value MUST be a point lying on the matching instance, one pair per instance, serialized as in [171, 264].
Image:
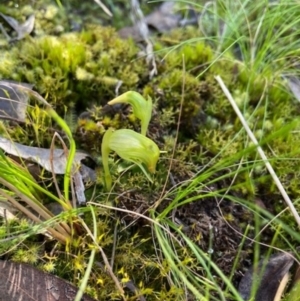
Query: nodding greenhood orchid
[142, 108]
[130, 146]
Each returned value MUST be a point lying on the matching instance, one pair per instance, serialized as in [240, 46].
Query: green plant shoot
[130, 146]
[142, 108]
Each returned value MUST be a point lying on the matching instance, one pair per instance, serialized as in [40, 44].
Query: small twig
[260, 150]
[140, 23]
[106, 262]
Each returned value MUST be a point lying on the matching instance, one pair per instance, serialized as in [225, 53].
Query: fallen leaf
[13, 101]
[21, 29]
[22, 282]
[132, 32]
[163, 19]
[88, 174]
[267, 276]
[42, 156]
[79, 187]
[54, 161]
[6, 210]
[294, 85]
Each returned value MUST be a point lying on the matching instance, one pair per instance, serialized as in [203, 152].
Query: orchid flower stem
[142, 108]
[105, 154]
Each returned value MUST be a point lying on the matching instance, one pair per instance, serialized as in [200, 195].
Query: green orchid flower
[130, 146]
[142, 108]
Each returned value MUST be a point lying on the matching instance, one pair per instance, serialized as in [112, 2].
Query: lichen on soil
[77, 65]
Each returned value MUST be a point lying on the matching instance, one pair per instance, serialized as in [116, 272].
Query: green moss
[75, 69]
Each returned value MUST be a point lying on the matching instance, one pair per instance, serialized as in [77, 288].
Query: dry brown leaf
[7, 211]
[267, 277]
[164, 18]
[42, 156]
[54, 161]
[294, 85]
[13, 101]
[131, 32]
[21, 29]
[22, 282]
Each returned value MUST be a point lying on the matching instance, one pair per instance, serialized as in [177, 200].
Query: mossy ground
[78, 71]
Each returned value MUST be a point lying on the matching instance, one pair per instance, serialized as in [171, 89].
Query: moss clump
[75, 69]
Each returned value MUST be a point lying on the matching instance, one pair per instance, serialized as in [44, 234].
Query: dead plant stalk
[259, 149]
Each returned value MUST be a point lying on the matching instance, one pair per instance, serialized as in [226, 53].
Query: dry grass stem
[260, 150]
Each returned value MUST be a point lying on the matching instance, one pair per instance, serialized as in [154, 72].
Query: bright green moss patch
[75, 69]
